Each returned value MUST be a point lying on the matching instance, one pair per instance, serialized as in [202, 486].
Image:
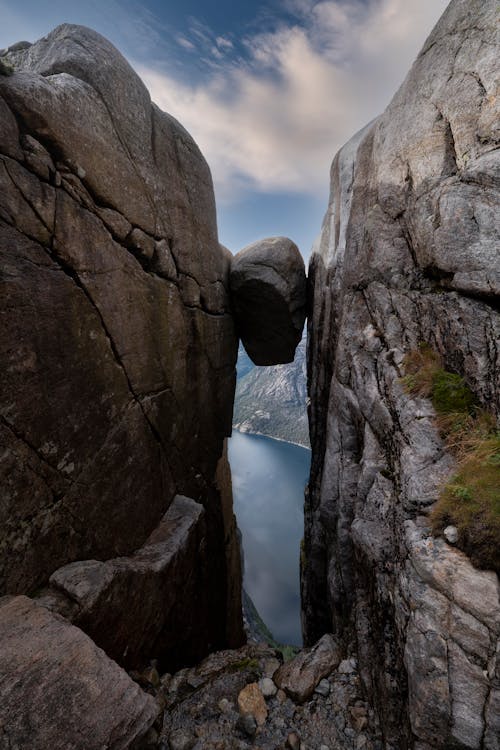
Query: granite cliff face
[118, 543]
[117, 365]
[408, 254]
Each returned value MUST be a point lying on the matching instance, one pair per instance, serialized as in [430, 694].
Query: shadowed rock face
[117, 348]
[408, 254]
[268, 288]
[151, 604]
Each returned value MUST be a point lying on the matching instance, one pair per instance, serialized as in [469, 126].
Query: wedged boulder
[268, 291]
[151, 604]
[59, 691]
[301, 675]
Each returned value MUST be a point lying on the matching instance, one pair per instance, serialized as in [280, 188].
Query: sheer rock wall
[408, 253]
[118, 347]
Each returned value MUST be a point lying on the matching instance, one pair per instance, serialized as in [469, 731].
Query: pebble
[281, 696]
[224, 705]
[348, 666]
[324, 747]
[267, 687]
[270, 667]
[247, 725]
[293, 741]
[180, 740]
[323, 688]
[451, 534]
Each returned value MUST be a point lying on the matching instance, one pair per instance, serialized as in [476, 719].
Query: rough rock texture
[300, 676]
[152, 604]
[268, 288]
[118, 348]
[58, 690]
[202, 711]
[408, 253]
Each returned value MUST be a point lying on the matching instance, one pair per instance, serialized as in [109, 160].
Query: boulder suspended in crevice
[268, 291]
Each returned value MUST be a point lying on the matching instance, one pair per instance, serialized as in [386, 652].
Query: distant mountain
[244, 363]
[272, 400]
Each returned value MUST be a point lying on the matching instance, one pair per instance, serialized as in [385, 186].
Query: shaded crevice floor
[199, 708]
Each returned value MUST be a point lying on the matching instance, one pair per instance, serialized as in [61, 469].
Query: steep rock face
[408, 253]
[268, 287]
[117, 349]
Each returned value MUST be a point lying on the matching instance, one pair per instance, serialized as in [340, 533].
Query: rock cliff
[118, 543]
[117, 372]
[408, 257]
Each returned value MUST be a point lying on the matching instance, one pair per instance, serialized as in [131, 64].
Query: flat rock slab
[59, 691]
[299, 677]
[165, 616]
[268, 290]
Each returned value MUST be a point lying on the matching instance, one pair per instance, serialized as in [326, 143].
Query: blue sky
[269, 90]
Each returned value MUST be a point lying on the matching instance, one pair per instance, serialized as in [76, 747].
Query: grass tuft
[470, 500]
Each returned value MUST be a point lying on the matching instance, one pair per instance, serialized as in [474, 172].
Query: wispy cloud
[274, 120]
[268, 110]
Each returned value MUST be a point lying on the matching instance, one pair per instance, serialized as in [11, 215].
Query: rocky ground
[247, 698]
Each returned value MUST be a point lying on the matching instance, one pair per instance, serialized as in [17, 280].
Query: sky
[269, 90]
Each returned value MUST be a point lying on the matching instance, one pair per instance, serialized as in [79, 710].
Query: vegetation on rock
[470, 500]
[5, 68]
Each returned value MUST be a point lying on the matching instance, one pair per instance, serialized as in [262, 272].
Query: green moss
[450, 394]
[247, 663]
[470, 500]
[6, 68]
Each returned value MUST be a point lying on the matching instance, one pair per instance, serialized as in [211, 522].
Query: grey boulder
[58, 690]
[300, 676]
[268, 290]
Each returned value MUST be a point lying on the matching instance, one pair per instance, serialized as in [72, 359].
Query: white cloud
[224, 43]
[186, 43]
[275, 121]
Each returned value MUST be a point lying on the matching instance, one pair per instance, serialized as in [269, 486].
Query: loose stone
[293, 741]
[450, 533]
[247, 725]
[251, 701]
[267, 687]
[323, 688]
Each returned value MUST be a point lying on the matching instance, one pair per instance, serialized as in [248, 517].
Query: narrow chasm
[270, 461]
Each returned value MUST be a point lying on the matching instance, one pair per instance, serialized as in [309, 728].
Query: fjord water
[269, 477]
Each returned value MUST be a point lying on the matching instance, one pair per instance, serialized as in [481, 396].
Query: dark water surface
[268, 485]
